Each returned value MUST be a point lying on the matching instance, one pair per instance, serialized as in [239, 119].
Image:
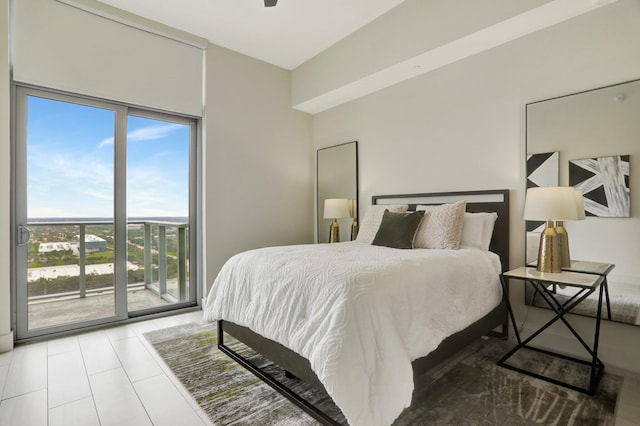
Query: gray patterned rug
[468, 390]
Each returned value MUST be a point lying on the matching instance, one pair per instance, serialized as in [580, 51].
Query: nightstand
[543, 283]
[588, 267]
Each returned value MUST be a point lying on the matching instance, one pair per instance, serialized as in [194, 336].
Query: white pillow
[372, 218]
[477, 230]
[472, 231]
[443, 228]
[487, 231]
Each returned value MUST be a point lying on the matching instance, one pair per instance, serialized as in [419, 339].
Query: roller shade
[59, 46]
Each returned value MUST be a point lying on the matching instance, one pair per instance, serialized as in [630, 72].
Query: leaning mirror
[337, 180]
[591, 141]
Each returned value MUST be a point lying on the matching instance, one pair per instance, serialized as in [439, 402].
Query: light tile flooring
[114, 377]
[106, 377]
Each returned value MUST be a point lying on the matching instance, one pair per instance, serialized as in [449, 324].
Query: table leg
[597, 366]
[595, 375]
[505, 294]
[606, 293]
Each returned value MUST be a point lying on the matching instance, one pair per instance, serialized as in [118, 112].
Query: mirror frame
[349, 172]
[612, 132]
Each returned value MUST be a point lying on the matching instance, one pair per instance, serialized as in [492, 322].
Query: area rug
[468, 390]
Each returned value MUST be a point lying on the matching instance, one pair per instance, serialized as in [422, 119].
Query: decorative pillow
[443, 228]
[397, 230]
[477, 230]
[372, 218]
[487, 231]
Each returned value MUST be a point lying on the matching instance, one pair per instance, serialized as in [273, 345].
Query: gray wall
[258, 161]
[463, 127]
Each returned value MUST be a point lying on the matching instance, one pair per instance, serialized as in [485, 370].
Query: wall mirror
[337, 177]
[591, 139]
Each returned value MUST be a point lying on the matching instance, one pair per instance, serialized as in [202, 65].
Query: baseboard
[6, 342]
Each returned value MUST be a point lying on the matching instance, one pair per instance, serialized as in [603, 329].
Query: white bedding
[360, 313]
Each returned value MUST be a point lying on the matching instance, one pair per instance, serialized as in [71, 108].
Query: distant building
[91, 242]
[48, 247]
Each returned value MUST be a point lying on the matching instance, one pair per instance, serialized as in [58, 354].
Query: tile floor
[106, 377]
[114, 377]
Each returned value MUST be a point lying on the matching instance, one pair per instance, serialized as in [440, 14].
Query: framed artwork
[604, 182]
[542, 170]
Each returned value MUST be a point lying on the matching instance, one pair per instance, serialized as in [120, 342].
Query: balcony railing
[155, 238]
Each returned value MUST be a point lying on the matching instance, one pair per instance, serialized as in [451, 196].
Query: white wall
[6, 335]
[463, 127]
[259, 159]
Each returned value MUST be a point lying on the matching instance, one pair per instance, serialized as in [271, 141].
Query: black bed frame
[298, 366]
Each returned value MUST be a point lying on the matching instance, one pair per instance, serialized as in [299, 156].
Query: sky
[70, 163]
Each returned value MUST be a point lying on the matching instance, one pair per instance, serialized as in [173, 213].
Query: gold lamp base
[354, 230]
[563, 243]
[334, 232]
[549, 257]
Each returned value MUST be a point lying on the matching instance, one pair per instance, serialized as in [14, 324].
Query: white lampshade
[579, 204]
[336, 208]
[551, 203]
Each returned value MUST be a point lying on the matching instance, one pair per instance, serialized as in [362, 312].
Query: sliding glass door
[157, 211]
[103, 211]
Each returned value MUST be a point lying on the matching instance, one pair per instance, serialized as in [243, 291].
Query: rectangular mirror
[574, 140]
[337, 177]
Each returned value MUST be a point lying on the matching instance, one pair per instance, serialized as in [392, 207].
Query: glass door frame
[19, 210]
[194, 179]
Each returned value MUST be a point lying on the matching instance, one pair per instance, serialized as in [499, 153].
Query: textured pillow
[443, 228]
[477, 230]
[372, 218]
[397, 230]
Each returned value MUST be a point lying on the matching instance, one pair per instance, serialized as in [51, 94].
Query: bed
[317, 346]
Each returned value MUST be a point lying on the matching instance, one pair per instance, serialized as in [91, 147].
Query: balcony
[70, 276]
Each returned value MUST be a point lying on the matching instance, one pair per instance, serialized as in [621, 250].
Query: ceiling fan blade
[270, 3]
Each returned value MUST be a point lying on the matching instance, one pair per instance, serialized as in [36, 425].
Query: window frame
[20, 93]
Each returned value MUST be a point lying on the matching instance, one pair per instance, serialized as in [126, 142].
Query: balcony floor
[70, 310]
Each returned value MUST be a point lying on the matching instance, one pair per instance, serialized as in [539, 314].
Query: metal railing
[158, 286]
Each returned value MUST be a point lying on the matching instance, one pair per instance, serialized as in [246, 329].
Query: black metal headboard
[477, 201]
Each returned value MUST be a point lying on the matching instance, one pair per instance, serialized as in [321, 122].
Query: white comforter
[360, 313]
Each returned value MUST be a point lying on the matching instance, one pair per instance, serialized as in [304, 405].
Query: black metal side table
[586, 284]
[588, 267]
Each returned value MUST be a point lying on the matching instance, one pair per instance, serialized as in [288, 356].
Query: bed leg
[220, 334]
[289, 375]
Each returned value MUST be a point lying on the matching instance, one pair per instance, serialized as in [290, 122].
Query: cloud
[105, 142]
[153, 132]
[146, 133]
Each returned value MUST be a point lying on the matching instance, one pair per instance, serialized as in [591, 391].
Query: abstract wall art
[604, 182]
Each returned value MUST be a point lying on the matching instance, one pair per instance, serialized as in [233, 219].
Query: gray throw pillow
[397, 230]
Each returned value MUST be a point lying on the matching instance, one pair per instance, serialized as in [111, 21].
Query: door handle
[24, 235]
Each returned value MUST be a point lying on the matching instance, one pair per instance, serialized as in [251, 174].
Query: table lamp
[552, 203]
[336, 208]
[563, 236]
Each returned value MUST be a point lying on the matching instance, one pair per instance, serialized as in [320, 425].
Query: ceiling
[285, 35]
[295, 31]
